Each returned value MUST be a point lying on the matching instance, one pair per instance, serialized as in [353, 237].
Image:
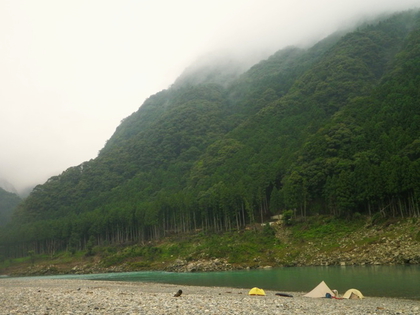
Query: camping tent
[320, 291]
[353, 294]
[256, 291]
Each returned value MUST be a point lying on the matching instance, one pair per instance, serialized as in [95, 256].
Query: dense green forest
[331, 129]
[8, 202]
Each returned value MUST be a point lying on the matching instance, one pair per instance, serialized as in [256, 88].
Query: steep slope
[8, 202]
[330, 129]
[281, 145]
[365, 158]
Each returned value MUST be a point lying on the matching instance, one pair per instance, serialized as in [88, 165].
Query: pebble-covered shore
[58, 296]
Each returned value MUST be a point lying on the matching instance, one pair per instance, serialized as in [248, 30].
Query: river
[379, 281]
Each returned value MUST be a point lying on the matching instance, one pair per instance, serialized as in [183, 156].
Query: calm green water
[387, 281]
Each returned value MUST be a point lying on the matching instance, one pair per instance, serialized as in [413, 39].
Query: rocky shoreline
[58, 296]
[372, 246]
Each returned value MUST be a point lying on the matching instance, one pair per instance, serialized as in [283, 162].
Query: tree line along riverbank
[320, 240]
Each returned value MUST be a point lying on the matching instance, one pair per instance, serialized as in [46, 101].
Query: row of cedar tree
[331, 129]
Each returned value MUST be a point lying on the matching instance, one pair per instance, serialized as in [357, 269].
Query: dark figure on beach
[178, 293]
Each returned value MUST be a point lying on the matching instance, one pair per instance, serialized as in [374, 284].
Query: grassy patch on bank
[324, 227]
[236, 247]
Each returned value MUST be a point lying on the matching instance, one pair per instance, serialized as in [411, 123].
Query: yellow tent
[353, 294]
[256, 291]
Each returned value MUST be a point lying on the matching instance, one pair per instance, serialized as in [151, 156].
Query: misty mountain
[8, 203]
[4, 184]
[331, 129]
[220, 69]
[25, 192]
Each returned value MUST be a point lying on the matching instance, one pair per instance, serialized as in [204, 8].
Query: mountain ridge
[328, 129]
[5, 185]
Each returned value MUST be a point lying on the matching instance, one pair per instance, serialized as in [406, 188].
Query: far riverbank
[318, 241]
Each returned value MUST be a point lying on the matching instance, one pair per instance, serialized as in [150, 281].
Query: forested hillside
[332, 129]
[8, 202]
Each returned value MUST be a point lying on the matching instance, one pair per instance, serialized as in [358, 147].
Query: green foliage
[329, 130]
[8, 202]
[322, 227]
[90, 245]
[32, 256]
[113, 260]
[377, 218]
[287, 217]
[73, 242]
[268, 231]
[145, 253]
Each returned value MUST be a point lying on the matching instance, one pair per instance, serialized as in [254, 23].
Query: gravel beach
[58, 296]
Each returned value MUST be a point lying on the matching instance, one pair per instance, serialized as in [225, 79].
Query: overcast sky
[71, 70]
